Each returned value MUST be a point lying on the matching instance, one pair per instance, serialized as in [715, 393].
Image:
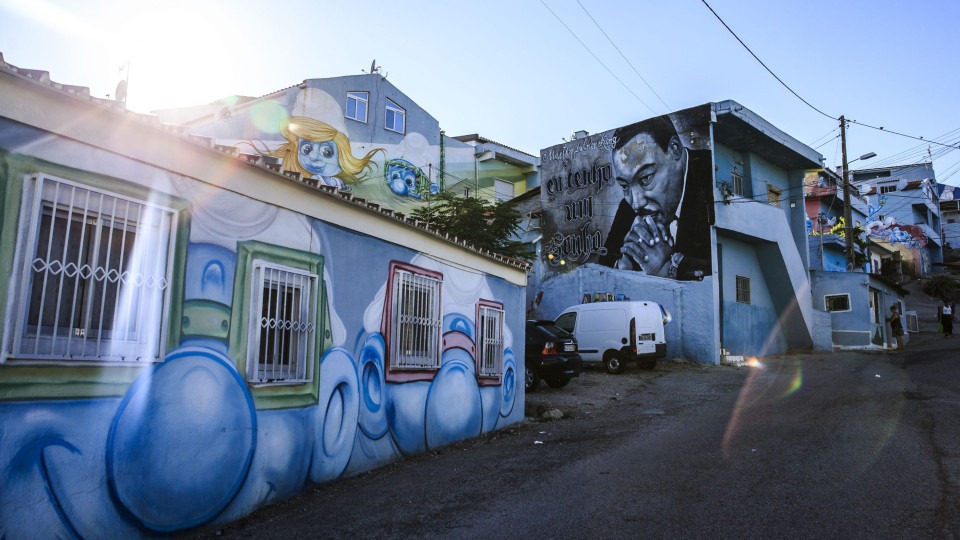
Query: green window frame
[246, 311]
[24, 379]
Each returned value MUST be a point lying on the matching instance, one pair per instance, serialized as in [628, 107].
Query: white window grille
[490, 340]
[416, 321]
[395, 118]
[357, 106]
[95, 282]
[889, 188]
[282, 333]
[736, 181]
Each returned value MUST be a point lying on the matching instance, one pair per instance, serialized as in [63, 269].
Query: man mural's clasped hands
[648, 246]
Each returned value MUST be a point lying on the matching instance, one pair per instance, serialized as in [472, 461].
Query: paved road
[846, 445]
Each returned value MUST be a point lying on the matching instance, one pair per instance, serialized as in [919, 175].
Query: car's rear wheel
[612, 363]
[558, 382]
[531, 379]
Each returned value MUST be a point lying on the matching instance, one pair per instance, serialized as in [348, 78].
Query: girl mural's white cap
[319, 105]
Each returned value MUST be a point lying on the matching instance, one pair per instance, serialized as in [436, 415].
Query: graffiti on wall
[888, 230]
[188, 443]
[637, 198]
[315, 143]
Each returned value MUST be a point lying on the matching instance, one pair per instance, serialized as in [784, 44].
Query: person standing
[945, 316]
[896, 326]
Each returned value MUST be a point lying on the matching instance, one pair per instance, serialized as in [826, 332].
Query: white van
[613, 333]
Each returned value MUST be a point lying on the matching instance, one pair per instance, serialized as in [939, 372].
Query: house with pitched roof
[192, 330]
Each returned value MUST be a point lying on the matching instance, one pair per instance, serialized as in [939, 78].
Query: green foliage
[486, 225]
[940, 286]
[858, 241]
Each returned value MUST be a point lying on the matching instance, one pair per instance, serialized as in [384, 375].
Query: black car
[551, 355]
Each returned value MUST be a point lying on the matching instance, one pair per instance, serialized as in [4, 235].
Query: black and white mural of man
[662, 224]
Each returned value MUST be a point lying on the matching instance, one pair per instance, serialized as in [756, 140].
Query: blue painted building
[857, 301]
[904, 212]
[189, 334]
[700, 210]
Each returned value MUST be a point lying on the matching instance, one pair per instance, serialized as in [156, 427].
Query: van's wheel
[648, 363]
[612, 363]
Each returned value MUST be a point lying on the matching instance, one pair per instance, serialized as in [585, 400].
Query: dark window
[743, 290]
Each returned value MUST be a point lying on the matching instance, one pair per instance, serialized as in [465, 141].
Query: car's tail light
[633, 334]
[549, 348]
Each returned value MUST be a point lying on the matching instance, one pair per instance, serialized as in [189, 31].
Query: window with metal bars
[282, 333]
[773, 195]
[489, 339]
[415, 339]
[96, 276]
[743, 290]
[836, 302]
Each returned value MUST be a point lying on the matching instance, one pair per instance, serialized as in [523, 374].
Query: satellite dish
[121, 93]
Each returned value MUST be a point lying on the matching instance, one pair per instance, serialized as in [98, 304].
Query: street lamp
[847, 229]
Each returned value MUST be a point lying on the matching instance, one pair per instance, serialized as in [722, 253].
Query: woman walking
[945, 316]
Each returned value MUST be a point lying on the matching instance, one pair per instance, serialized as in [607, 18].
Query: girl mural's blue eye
[306, 148]
[327, 151]
[410, 180]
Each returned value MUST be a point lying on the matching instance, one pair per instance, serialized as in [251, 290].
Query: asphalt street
[831, 445]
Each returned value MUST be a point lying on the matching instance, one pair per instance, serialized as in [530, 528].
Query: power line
[623, 56]
[595, 57]
[881, 128]
[764, 65]
[878, 128]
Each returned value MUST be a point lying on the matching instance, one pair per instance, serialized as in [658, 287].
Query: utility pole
[847, 228]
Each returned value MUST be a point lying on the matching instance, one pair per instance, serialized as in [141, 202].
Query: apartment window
[743, 290]
[773, 195]
[736, 183]
[489, 339]
[357, 106]
[95, 281]
[282, 329]
[395, 119]
[889, 188]
[502, 190]
[836, 302]
[415, 318]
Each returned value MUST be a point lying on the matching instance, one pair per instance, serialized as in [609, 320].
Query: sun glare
[176, 56]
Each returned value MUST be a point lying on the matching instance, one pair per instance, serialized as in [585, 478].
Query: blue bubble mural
[192, 441]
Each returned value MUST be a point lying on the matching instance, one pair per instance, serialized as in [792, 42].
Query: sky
[527, 73]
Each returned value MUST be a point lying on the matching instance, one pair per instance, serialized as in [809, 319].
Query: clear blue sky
[509, 70]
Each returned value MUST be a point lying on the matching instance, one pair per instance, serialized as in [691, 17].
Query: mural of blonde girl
[317, 146]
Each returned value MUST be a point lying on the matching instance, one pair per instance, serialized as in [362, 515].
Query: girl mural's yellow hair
[300, 127]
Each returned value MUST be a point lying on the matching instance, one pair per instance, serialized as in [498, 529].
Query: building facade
[361, 134]
[190, 334]
[904, 212]
[700, 210]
